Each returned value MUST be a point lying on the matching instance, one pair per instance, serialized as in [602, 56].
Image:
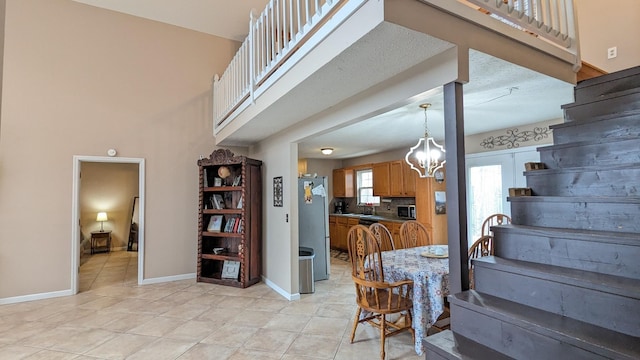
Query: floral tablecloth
[430, 284]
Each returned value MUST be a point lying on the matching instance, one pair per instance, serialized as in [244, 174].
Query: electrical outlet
[612, 52]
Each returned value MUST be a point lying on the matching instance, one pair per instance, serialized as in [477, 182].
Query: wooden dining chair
[374, 296]
[481, 247]
[383, 235]
[413, 233]
[495, 219]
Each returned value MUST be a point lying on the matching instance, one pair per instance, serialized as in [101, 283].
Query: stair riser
[593, 89]
[593, 131]
[600, 257]
[512, 340]
[611, 311]
[616, 182]
[617, 152]
[616, 217]
[588, 111]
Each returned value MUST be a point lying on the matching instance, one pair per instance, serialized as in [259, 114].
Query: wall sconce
[102, 217]
[326, 151]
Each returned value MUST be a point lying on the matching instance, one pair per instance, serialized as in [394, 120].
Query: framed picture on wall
[441, 202]
[277, 192]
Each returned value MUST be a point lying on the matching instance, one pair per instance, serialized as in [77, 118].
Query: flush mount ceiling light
[326, 151]
[426, 157]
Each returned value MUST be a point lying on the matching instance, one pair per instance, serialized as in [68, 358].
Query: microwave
[407, 211]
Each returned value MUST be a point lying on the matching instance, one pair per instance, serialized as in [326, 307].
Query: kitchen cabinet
[338, 239]
[333, 232]
[403, 179]
[381, 179]
[394, 229]
[394, 179]
[343, 183]
[436, 224]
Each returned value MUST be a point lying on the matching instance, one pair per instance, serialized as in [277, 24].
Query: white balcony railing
[273, 37]
[284, 25]
[551, 19]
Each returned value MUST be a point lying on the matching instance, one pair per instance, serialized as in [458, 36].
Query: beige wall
[79, 80]
[604, 24]
[108, 187]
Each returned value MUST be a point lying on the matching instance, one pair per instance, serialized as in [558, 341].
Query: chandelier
[426, 157]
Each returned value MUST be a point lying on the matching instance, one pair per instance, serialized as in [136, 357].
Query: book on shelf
[215, 223]
[239, 206]
[218, 201]
[205, 180]
[236, 225]
[230, 224]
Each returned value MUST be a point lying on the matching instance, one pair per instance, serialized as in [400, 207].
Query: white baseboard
[280, 291]
[168, 279]
[32, 297]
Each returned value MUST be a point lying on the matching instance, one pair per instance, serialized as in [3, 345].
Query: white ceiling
[499, 94]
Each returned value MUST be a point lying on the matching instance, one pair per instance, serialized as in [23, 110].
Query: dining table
[428, 267]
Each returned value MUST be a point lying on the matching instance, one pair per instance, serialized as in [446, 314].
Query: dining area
[402, 284]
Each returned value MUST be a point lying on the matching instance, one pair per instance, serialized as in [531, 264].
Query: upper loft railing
[285, 25]
[274, 35]
[553, 20]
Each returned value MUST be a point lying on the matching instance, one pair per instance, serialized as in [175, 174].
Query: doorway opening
[85, 238]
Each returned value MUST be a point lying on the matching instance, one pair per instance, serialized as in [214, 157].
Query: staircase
[565, 279]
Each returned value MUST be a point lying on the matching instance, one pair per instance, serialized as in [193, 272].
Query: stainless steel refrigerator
[313, 222]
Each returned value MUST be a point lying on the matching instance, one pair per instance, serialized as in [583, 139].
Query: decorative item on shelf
[427, 156]
[230, 269]
[529, 166]
[326, 151]
[520, 192]
[102, 217]
[224, 172]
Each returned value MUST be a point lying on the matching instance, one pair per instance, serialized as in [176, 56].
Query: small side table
[100, 241]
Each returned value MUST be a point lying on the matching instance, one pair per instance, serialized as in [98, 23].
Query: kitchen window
[364, 184]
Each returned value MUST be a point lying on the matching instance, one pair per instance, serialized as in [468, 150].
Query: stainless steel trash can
[305, 258]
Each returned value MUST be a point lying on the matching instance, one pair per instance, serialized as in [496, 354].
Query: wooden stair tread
[634, 71]
[577, 333]
[602, 282]
[630, 239]
[605, 117]
[444, 344]
[582, 199]
[617, 139]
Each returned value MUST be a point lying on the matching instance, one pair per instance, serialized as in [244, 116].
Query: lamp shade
[102, 216]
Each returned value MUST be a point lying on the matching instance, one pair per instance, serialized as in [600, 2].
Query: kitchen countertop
[372, 217]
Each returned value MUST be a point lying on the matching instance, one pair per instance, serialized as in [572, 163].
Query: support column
[456, 188]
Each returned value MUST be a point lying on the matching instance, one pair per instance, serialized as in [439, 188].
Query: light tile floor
[114, 318]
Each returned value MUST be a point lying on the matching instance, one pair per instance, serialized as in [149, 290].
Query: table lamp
[102, 217]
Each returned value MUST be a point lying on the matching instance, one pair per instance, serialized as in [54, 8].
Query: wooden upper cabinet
[381, 179]
[409, 177]
[396, 178]
[343, 183]
[402, 180]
